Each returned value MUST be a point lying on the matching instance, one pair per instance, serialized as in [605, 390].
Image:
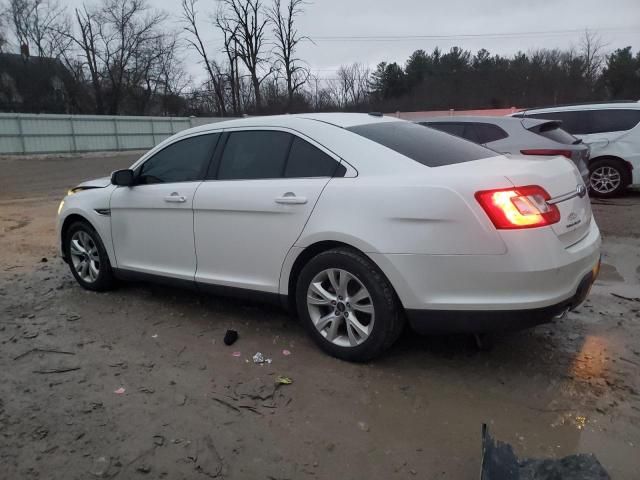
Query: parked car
[357, 222]
[516, 136]
[612, 131]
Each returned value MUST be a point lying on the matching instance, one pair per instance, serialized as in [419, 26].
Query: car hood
[96, 183]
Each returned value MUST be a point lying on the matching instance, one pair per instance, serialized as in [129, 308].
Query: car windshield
[424, 145]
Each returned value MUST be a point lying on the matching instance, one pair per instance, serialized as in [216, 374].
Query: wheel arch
[627, 166]
[69, 220]
[310, 252]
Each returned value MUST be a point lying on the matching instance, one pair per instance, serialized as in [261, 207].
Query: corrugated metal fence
[34, 133]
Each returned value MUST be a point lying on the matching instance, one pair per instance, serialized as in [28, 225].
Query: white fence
[35, 133]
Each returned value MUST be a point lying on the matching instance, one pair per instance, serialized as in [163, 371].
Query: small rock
[101, 466]
[44, 260]
[144, 468]
[181, 399]
[363, 426]
[158, 440]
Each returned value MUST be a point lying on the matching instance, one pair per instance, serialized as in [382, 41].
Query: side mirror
[122, 178]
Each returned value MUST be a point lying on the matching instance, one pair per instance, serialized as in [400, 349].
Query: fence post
[115, 126]
[171, 125]
[21, 133]
[73, 134]
[153, 132]
[190, 122]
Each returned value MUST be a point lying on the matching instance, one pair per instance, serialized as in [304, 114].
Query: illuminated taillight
[519, 207]
[547, 152]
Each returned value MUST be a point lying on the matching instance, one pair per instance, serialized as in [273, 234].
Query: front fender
[91, 206]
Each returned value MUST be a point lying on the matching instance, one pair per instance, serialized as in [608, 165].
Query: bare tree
[39, 24]
[3, 33]
[287, 40]
[229, 32]
[126, 26]
[189, 18]
[121, 43]
[88, 40]
[350, 88]
[592, 53]
[246, 23]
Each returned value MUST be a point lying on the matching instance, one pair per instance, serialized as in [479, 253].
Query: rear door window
[613, 120]
[254, 154]
[427, 146]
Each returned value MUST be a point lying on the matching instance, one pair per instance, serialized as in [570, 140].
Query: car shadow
[532, 350]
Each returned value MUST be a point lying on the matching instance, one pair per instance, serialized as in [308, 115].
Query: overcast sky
[470, 24]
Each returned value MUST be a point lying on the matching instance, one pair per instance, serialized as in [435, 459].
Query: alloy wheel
[84, 256]
[340, 307]
[605, 179]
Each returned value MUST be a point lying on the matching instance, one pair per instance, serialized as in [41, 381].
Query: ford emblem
[581, 190]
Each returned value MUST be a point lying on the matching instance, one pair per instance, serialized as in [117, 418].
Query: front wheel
[87, 257]
[607, 178]
[347, 305]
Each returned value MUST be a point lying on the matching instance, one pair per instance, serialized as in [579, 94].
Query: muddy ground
[190, 409]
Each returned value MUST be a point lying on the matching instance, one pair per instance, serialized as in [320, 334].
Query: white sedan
[357, 222]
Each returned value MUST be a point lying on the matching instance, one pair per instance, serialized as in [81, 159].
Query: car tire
[607, 178]
[369, 316]
[87, 258]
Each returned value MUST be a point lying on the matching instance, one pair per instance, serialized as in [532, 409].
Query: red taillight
[547, 152]
[519, 207]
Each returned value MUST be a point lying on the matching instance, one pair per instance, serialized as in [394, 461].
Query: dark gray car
[516, 136]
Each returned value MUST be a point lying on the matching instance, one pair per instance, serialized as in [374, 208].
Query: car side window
[306, 161]
[486, 133]
[456, 129]
[182, 161]
[254, 154]
[614, 120]
[575, 122]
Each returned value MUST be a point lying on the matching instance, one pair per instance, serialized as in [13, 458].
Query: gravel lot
[191, 409]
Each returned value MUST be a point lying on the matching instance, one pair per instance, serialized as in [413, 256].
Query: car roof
[626, 105]
[341, 120]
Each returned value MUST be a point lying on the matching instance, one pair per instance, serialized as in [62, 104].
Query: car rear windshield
[424, 145]
[552, 131]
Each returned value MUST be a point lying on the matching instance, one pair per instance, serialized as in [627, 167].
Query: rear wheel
[87, 257]
[607, 178]
[348, 306]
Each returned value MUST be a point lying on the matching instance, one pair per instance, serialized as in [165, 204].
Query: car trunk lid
[560, 178]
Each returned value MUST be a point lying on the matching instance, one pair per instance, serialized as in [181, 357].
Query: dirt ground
[191, 409]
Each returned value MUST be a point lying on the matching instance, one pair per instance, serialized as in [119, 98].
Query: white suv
[612, 130]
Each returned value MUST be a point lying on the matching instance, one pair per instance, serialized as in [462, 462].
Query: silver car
[517, 136]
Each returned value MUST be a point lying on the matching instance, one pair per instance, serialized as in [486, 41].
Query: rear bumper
[537, 279]
[458, 321]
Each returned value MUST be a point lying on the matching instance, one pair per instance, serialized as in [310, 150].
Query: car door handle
[290, 198]
[175, 197]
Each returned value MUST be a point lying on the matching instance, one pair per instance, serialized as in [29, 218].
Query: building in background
[34, 84]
